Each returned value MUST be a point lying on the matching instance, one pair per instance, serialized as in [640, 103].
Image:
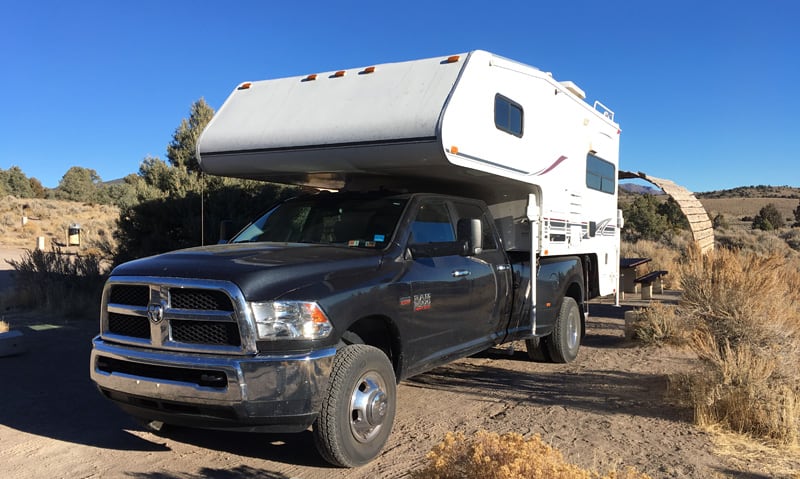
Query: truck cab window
[365, 222]
[432, 225]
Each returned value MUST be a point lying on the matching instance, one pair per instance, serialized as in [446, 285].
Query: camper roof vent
[574, 89]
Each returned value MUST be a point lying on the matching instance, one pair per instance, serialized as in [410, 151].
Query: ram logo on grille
[155, 312]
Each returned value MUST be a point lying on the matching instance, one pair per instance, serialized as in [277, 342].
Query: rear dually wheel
[565, 340]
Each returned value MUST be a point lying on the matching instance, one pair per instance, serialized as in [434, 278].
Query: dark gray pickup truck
[311, 315]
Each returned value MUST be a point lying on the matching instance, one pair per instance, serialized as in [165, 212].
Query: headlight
[290, 320]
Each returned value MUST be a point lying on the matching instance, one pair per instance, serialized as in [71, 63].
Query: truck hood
[263, 271]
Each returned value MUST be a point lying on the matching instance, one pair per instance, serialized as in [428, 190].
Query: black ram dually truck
[311, 315]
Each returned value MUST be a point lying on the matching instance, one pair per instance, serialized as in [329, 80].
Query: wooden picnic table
[628, 274]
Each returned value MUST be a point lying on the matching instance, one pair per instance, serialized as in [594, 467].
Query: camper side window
[507, 115]
[600, 174]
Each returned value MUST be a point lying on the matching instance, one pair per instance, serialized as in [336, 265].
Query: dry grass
[52, 218]
[784, 241]
[57, 281]
[509, 456]
[747, 308]
[659, 324]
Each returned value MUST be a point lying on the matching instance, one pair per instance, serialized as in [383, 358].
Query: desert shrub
[739, 391]
[796, 213]
[56, 281]
[758, 241]
[792, 238]
[720, 222]
[509, 456]
[658, 324]
[747, 308]
[768, 218]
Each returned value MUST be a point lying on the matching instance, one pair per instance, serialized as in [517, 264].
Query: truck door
[440, 280]
[491, 280]
[458, 303]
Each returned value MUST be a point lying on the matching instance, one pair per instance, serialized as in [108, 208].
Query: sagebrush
[746, 307]
[658, 324]
[488, 455]
[59, 281]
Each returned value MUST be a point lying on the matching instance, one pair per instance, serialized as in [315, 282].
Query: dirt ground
[605, 410]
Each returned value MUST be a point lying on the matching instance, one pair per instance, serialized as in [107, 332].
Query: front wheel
[565, 340]
[357, 414]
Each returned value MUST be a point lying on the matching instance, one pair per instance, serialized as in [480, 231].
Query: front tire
[357, 414]
[565, 340]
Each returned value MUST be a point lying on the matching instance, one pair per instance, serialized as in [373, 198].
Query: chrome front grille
[175, 314]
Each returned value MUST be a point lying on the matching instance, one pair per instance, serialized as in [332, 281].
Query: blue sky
[705, 91]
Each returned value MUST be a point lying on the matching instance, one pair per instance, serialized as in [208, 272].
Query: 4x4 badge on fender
[155, 312]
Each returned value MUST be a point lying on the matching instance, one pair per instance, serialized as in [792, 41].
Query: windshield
[365, 222]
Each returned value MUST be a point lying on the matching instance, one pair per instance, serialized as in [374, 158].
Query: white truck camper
[464, 202]
[474, 124]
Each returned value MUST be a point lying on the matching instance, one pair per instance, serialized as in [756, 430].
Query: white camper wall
[559, 131]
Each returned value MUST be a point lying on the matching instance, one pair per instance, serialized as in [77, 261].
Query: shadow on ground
[590, 390]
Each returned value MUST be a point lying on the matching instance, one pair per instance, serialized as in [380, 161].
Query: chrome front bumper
[264, 393]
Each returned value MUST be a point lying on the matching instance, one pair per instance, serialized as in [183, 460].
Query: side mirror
[470, 234]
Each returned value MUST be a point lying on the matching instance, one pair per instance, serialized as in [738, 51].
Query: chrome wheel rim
[369, 404]
[573, 329]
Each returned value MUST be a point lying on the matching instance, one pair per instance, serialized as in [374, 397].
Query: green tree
[38, 190]
[156, 173]
[768, 218]
[79, 184]
[182, 150]
[642, 219]
[16, 183]
[673, 214]
[172, 222]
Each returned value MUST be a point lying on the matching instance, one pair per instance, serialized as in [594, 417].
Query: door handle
[503, 267]
[461, 272]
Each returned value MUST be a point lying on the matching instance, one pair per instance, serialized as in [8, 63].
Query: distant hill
[639, 189]
[760, 191]
[737, 205]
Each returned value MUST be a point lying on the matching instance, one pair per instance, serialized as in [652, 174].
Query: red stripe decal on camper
[551, 167]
